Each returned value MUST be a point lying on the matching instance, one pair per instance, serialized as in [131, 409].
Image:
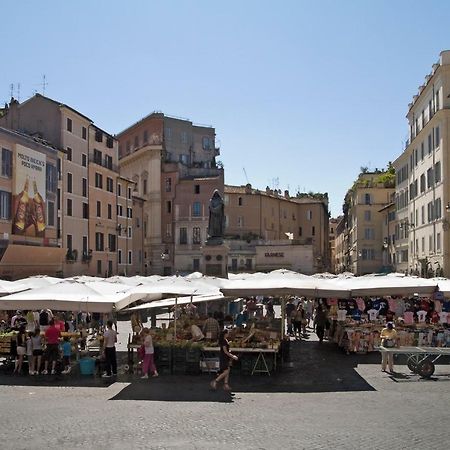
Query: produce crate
[193, 355]
[163, 354]
[179, 354]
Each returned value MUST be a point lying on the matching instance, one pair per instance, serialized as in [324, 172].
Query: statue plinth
[215, 258]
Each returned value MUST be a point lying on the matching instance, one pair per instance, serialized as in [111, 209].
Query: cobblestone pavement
[327, 400]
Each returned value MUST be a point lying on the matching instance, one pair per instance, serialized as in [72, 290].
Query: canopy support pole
[175, 318]
[283, 312]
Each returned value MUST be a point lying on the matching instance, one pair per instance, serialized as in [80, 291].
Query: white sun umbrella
[35, 282]
[64, 296]
[168, 302]
[385, 285]
[9, 287]
[444, 285]
[129, 281]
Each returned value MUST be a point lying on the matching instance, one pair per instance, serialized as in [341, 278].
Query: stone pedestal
[214, 259]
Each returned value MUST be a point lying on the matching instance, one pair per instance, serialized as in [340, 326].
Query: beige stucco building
[266, 230]
[172, 162]
[332, 242]
[87, 172]
[360, 234]
[423, 174]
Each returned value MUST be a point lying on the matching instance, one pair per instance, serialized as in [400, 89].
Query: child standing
[29, 345]
[66, 348]
[37, 351]
[149, 362]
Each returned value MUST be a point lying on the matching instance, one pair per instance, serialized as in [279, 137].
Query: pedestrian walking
[225, 362]
[20, 348]
[388, 339]
[109, 342]
[52, 336]
[320, 321]
[148, 364]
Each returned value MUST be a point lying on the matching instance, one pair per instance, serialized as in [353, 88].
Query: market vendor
[196, 333]
[211, 328]
[388, 340]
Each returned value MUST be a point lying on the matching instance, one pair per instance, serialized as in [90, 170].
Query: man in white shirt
[109, 342]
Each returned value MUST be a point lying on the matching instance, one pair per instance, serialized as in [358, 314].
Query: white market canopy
[168, 302]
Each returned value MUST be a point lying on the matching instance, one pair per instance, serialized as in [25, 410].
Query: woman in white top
[149, 351]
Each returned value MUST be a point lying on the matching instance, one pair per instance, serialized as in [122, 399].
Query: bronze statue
[216, 225]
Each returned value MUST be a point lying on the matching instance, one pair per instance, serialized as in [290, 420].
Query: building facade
[266, 230]
[29, 243]
[423, 174]
[173, 164]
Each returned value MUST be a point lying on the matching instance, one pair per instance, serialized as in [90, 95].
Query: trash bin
[87, 366]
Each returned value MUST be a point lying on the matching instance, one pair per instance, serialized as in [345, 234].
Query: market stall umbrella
[34, 282]
[64, 296]
[444, 285]
[168, 302]
[388, 285]
[9, 287]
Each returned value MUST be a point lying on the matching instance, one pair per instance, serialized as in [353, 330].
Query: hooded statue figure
[216, 223]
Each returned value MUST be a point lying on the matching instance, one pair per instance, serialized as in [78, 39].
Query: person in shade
[110, 339]
[225, 362]
[320, 321]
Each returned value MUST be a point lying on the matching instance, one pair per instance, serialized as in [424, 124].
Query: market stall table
[420, 359]
[261, 358]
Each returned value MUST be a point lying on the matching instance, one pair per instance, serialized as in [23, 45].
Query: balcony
[103, 163]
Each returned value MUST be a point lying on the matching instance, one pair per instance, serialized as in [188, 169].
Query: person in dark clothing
[320, 321]
[288, 312]
[225, 362]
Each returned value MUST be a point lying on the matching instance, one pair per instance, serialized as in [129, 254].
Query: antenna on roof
[18, 92]
[245, 173]
[44, 84]
[11, 87]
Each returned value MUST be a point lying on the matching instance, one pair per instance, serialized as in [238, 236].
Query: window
[367, 215]
[108, 162]
[97, 157]
[437, 100]
[437, 172]
[5, 205]
[308, 214]
[84, 160]
[422, 151]
[183, 235]
[69, 242]
[69, 182]
[119, 210]
[51, 178]
[129, 193]
[109, 184]
[168, 133]
[313, 231]
[430, 177]
[128, 147]
[437, 209]
[138, 222]
[240, 221]
[6, 162]
[430, 210]
[98, 136]
[240, 201]
[109, 142]
[367, 199]
[144, 186]
[69, 125]
[196, 209]
[430, 243]
[69, 207]
[119, 257]
[85, 245]
[205, 143]
[169, 207]
[129, 213]
[130, 257]
[69, 154]
[51, 214]
[195, 265]
[234, 264]
[85, 211]
[130, 234]
[168, 229]
[99, 244]
[423, 214]
[197, 189]
[430, 148]
[109, 211]
[145, 136]
[437, 139]
[168, 184]
[99, 209]
[136, 141]
[99, 267]
[112, 242]
[368, 254]
[98, 180]
[300, 231]
[423, 245]
[119, 190]
[84, 187]
[369, 233]
[422, 183]
[83, 132]
[58, 198]
[196, 236]
[438, 242]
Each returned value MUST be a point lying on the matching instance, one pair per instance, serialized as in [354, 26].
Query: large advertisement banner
[29, 192]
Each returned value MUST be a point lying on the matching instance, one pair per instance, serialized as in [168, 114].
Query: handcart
[420, 360]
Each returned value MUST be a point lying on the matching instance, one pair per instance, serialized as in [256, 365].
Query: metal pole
[175, 319]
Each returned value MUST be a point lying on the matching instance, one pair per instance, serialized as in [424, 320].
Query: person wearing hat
[18, 320]
[388, 340]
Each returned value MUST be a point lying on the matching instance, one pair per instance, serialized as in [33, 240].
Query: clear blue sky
[303, 92]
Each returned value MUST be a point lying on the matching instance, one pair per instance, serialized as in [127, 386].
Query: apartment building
[332, 242]
[266, 230]
[28, 213]
[86, 173]
[342, 255]
[363, 221]
[172, 163]
[389, 222]
[423, 174]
